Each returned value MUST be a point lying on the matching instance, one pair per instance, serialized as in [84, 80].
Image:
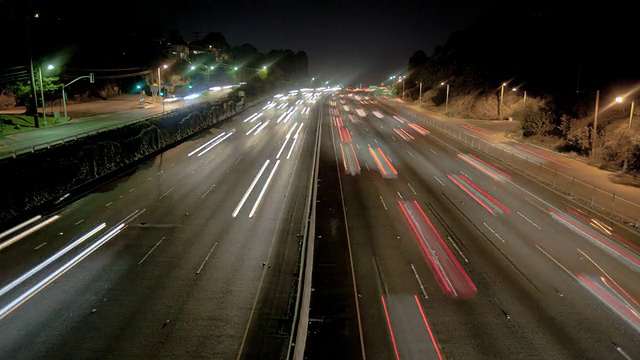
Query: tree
[535, 120]
[418, 59]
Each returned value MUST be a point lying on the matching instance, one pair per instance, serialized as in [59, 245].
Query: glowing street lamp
[44, 108]
[446, 102]
[620, 100]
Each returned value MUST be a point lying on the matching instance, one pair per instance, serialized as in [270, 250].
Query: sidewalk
[593, 181]
[89, 117]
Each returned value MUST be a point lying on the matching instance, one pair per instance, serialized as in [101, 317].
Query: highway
[194, 254]
[428, 250]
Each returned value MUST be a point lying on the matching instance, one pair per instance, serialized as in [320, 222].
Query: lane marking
[165, 194]
[411, 187]
[532, 223]
[206, 258]
[419, 281]
[150, 251]
[494, 233]
[456, 246]
[383, 204]
[441, 183]
[205, 194]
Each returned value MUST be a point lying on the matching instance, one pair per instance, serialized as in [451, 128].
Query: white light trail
[20, 226]
[295, 139]
[281, 116]
[264, 189]
[261, 127]
[246, 194]
[253, 128]
[60, 271]
[28, 232]
[51, 259]
[214, 144]
[205, 144]
[250, 117]
[255, 118]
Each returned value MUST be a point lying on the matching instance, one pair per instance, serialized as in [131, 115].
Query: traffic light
[91, 78]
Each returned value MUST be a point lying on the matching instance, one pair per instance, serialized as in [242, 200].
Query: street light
[619, 100]
[446, 101]
[34, 93]
[501, 97]
[160, 81]
[44, 108]
[420, 96]
[525, 94]
[595, 125]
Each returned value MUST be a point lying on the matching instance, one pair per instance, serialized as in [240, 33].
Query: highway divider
[300, 322]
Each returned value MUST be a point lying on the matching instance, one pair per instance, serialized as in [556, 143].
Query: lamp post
[595, 125]
[44, 107]
[420, 96]
[446, 101]
[501, 97]
[34, 93]
[620, 99]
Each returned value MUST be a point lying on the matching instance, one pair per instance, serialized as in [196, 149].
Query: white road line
[39, 246]
[79, 222]
[411, 187]
[524, 217]
[205, 194]
[253, 128]
[207, 258]
[462, 172]
[109, 203]
[150, 251]
[165, 194]
[557, 263]
[494, 233]
[383, 204]
[433, 151]
[419, 282]
[456, 246]
[441, 183]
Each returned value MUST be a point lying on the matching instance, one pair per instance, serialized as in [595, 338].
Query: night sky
[350, 42]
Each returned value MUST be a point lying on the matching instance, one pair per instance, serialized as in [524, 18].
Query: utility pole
[595, 125]
[34, 93]
[420, 97]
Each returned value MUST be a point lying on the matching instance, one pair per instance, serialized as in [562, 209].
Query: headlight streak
[28, 232]
[565, 219]
[250, 117]
[262, 127]
[264, 189]
[256, 118]
[286, 139]
[253, 128]
[59, 272]
[215, 143]
[281, 117]
[253, 184]
[207, 143]
[51, 259]
[20, 226]
[295, 139]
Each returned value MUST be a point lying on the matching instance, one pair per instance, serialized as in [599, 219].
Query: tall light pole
[44, 107]
[34, 93]
[595, 125]
[446, 101]
[620, 100]
[420, 97]
[501, 97]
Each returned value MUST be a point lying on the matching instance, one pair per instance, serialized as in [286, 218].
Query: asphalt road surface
[429, 250]
[192, 255]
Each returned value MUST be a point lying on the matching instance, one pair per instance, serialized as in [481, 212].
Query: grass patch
[12, 124]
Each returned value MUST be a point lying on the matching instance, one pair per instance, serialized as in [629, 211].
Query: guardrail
[300, 322]
[48, 144]
[600, 201]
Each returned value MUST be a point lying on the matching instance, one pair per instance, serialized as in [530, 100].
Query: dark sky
[351, 41]
[346, 41]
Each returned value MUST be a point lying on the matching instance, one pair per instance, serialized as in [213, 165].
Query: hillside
[554, 58]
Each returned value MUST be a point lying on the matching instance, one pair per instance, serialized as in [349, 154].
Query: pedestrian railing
[76, 136]
[556, 176]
